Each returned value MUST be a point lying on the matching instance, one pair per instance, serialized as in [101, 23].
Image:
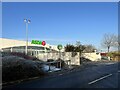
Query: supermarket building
[19, 46]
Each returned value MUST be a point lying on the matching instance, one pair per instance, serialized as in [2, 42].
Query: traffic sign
[59, 46]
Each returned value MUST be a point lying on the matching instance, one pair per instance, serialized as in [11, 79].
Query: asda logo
[38, 42]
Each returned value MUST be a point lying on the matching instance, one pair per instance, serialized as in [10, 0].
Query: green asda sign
[59, 47]
[38, 42]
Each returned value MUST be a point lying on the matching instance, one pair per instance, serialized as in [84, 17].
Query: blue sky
[60, 23]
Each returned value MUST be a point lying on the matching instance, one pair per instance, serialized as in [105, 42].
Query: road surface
[98, 75]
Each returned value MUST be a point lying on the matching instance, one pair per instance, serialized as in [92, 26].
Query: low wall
[74, 60]
[92, 56]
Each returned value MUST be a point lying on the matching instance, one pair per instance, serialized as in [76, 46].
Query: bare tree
[78, 43]
[79, 47]
[89, 48]
[109, 40]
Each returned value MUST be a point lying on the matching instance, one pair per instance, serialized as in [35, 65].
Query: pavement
[104, 74]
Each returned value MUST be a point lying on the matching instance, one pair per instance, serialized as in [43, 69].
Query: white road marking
[118, 71]
[109, 63]
[99, 79]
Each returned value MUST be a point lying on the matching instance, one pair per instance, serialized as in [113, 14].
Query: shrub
[23, 55]
[114, 55]
[16, 68]
[5, 54]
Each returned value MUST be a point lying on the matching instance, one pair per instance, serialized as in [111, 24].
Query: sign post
[59, 48]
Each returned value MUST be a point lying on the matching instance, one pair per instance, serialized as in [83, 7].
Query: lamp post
[26, 22]
[60, 47]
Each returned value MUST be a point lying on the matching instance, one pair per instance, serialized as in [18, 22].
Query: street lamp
[26, 22]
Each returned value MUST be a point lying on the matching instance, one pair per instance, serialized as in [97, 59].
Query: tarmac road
[100, 75]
